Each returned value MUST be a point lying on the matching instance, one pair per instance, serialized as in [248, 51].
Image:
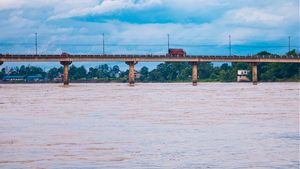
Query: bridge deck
[147, 58]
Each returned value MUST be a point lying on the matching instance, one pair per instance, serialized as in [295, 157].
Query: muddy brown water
[157, 126]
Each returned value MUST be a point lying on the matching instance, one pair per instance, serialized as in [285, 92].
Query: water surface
[213, 125]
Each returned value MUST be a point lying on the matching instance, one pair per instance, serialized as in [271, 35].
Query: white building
[242, 76]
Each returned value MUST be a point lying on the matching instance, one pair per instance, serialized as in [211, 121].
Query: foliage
[27, 71]
[54, 72]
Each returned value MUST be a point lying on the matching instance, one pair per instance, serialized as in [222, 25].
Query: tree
[205, 70]
[27, 71]
[156, 76]
[77, 73]
[292, 53]
[103, 71]
[115, 71]
[124, 74]
[279, 71]
[54, 72]
[72, 72]
[144, 73]
[263, 53]
[92, 73]
[81, 73]
[2, 73]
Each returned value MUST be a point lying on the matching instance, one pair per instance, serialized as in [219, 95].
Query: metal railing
[238, 57]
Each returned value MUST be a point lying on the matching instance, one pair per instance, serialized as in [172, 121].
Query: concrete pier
[1, 63]
[66, 71]
[254, 73]
[195, 73]
[131, 73]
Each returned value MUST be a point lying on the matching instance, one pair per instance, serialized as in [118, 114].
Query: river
[153, 126]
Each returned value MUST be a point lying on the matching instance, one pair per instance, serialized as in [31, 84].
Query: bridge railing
[153, 56]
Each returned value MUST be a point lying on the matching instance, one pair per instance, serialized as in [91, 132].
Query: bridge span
[131, 60]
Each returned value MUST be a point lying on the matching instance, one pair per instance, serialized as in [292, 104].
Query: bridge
[131, 60]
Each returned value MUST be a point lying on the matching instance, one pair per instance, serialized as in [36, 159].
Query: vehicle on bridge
[176, 52]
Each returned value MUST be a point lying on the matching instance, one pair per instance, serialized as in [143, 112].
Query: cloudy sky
[141, 26]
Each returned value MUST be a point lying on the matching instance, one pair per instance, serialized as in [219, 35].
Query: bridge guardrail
[27, 56]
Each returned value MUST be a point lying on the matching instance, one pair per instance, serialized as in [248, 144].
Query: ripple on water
[213, 125]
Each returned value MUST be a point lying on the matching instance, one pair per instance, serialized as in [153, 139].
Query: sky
[141, 26]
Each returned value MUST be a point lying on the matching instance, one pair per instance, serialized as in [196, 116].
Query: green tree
[77, 73]
[81, 73]
[103, 71]
[54, 72]
[115, 71]
[292, 53]
[205, 70]
[144, 74]
[92, 73]
[156, 76]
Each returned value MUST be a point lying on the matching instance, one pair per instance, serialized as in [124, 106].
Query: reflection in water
[213, 125]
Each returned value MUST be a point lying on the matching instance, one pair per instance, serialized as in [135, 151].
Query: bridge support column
[254, 73]
[195, 73]
[66, 71]
[131, 72]
[1, 63]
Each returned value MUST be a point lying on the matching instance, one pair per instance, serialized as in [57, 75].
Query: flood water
[155, 126]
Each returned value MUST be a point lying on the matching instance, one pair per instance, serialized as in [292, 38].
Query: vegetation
[169, 72]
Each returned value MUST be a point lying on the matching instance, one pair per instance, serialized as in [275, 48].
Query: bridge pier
[194, 73]
[66, 71]
[1, 63]
[254, 73]
[131, 72]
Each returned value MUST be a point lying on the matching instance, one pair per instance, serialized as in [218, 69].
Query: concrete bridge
[131, 60]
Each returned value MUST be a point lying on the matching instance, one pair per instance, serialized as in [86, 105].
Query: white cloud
[74, 8]
[252, 16]
[195, 5]
[276, 15]
[106, 6]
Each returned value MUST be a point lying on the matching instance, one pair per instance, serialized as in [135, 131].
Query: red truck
[176, 52]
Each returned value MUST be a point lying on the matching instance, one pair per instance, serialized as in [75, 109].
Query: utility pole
[168, 42]
[36, 44]
[229, 45]
[103, 50]
[289, 43]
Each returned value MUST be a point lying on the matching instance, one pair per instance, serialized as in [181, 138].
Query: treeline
[168, 72]
[81, 73]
